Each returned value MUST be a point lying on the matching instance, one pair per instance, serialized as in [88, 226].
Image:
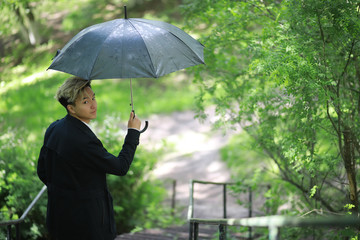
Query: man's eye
[85, 102]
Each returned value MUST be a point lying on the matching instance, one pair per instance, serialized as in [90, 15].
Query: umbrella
[128, 48]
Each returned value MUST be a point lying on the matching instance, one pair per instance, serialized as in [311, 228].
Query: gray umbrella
[128, 48]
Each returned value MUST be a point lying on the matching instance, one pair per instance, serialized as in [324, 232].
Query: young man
[73, 164]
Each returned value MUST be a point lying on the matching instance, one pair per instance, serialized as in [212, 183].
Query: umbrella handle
[146, 126]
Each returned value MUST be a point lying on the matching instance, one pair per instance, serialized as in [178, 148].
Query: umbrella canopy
[128, 48]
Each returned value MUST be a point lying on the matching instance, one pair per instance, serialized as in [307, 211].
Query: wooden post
[250, 211]
[173, 199]
[224, 200]
[191, 204]
[273, 233]
[191, 230]
[196, 231]
[222, 231]
[17, 230]
[8, 232]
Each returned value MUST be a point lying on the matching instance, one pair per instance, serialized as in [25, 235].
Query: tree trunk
[23, 30]
[33, 27]
[350, 169]
[29, 28]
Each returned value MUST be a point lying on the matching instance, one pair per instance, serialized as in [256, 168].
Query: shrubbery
[137, 196]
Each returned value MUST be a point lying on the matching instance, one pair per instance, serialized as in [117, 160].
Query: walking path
[195, 156]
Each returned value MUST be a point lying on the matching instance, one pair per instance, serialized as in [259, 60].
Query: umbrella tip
[57, 53]
[125, 12]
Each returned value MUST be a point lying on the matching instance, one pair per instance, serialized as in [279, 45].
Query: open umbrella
[128, 48]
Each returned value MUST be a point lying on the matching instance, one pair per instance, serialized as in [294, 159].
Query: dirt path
[195, 156]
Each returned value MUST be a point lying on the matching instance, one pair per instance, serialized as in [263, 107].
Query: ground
[195, 155]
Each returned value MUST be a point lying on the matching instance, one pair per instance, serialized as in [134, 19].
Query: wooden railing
[224, 198]
[273, 223]
[17, 222]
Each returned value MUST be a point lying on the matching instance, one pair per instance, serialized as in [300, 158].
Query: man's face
[85, 106]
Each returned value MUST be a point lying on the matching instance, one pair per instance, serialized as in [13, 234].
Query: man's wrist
[134, 129]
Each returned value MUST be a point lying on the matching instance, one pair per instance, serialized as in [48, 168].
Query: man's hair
[69, 91]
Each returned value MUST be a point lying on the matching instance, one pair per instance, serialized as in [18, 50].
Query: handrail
[274, 223]
[17, 222]
[191, 204]
[191, 197]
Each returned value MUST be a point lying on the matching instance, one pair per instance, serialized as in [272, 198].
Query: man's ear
[70, 108]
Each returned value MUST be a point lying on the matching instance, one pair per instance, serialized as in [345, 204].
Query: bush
[137, 197]
[271, 195]
[19, 183]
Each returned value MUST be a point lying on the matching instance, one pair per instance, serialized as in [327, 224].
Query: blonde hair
[70, 90]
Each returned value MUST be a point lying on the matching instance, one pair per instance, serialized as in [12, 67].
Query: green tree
[287, 72]
[20, 15]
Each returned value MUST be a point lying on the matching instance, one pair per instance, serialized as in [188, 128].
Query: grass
[27, 90]
[30, 104]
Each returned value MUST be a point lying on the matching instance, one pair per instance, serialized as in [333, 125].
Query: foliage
[27, 107]
[287, 73]
[19, 183]
[137, 197]
[252, 168]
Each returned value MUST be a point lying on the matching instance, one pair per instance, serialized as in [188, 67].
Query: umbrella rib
[93, 65]
[199, 58]
[95, 59]
[188, 48]
[152, 64]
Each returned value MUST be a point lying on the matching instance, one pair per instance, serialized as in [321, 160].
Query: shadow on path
[195, 156]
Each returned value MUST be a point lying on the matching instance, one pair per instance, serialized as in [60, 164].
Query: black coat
[73, 164]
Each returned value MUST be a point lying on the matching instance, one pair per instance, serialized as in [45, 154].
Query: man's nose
[93, 104]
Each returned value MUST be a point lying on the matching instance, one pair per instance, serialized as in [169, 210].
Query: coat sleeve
[42, 160]
[97, 156]
[41, 165]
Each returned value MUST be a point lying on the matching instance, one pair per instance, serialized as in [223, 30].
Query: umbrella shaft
[131, 95]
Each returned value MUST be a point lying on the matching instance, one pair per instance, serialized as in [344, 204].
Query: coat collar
[79, 124]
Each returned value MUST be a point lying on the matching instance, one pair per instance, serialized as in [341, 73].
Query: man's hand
[134, 122]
